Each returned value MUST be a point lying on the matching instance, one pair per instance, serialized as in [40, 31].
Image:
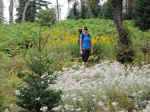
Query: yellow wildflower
[97, 38]
[74, 40]
[57, 31]
[103, 38]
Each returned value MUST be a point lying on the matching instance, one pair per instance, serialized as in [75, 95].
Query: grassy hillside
[64, 35]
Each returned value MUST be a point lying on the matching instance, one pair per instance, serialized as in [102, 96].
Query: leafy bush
[46, 17]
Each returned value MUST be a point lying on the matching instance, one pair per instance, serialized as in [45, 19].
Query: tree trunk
[118, 20]
[126, 7]
[58, 15]
[1, 11]
[124, 54]
[130, 8]
[68, 4]
[130, 4]
[24, 11]
[11, 10]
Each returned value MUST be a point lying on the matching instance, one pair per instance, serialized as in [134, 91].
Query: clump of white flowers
[44, 109]
[106, 86]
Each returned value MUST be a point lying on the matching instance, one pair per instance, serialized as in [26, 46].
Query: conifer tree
[32, 8]
[142, 14]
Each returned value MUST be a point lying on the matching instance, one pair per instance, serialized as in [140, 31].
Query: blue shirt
[86, 41]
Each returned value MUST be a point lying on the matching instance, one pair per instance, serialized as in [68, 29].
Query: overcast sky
[63, 4]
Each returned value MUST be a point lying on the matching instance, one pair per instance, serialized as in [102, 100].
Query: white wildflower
[80, 99]
[74, 98]
[98, 81]
[57, 108]
[17, 92]
[94, 99]
[67, 107]
[134, 94]
[79, 109]
[42, 76]
[100, 103]
[114, 103]
[6, 110]
[37, 99]
[122, 111]
[44, 109]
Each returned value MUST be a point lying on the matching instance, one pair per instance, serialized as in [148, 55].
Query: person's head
[86, 29]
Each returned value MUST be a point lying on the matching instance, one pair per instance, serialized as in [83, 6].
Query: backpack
[79, 38]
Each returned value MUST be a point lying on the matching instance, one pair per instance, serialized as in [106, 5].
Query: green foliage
[74, 12]
[37, 59]
[35, 94]
[9, 68]
[86, 11]
[1, 102]
[142, 14]
[16, 39]
[94, 5]
[46, 17]
[107, 11]
[31, 10]
[30, 13]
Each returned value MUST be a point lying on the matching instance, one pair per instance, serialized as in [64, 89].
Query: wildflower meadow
[48, 57]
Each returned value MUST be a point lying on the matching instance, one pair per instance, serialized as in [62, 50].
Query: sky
[63, 4]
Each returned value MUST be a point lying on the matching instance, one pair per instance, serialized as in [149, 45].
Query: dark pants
[86, 54]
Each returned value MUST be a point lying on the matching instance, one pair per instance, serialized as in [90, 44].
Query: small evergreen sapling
[34, 92]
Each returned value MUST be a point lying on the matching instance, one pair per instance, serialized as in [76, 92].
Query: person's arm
[80, 44]
[91, 46]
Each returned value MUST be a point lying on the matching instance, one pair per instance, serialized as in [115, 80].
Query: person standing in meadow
[85, 46]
